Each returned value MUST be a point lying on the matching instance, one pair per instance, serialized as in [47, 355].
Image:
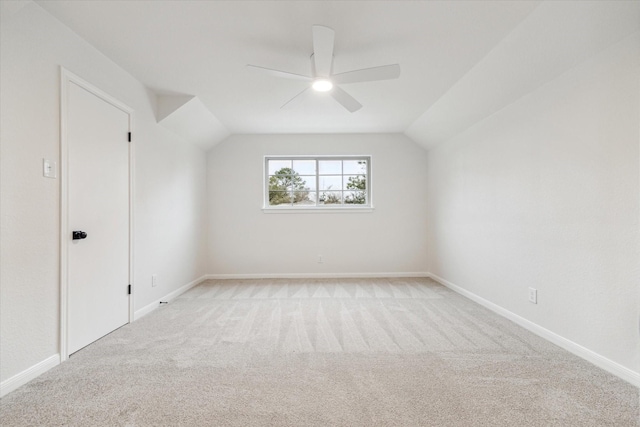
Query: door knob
[78, 235]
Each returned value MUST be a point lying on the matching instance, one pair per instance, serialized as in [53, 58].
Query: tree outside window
[286, 187]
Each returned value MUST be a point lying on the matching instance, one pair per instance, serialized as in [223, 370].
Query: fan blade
[346, 100]
[295, 100]
[384, 72]
[278, 73]
[323, 38]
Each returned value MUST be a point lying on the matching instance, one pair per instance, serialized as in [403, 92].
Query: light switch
[49, 169]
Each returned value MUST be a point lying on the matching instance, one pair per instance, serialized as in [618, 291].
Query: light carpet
[338, 352]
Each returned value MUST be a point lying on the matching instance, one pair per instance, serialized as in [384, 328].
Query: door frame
[67, 78]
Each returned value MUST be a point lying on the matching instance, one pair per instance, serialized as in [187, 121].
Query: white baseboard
[316, 275]
[40, 368]
[28, 374]
[608, 365]
[580, 351]
[170, 296]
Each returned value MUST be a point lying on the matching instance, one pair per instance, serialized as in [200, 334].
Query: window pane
[308, 183]
[322, 181]
[355, 198]
[331, 198]
[284, 182]
[304, 198]
[330, 167]
[330, 182]
[355, 182]
[355, 167]
[304, 167]
[279, 198]
[278, 165]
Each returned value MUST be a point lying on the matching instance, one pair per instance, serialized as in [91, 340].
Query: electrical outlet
[154, 280]
[533, 295]
[320, 259]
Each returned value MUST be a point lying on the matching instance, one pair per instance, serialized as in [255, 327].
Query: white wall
[170, 184]
[545, 194]
[243, 240]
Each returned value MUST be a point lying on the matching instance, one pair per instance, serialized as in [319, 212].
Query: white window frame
[318, 207]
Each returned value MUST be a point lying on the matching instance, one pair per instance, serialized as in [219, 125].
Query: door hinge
[129, 290]
[129, 136]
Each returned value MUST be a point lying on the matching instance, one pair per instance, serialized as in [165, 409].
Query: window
[317, 182]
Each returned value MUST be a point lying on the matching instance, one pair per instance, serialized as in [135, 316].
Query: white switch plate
[533, 295]
[154, 280]
[49, 168]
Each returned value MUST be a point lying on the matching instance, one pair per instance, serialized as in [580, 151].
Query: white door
[98, 205]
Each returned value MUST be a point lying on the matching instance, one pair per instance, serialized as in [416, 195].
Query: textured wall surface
[545, 194]
[170, 183]
[244, 240]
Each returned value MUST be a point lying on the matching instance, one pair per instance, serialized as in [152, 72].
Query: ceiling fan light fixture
[323, 79]
[322, 85]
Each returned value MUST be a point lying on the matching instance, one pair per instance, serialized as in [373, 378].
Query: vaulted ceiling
[461, 61]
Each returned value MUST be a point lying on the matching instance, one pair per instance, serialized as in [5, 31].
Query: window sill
[367, 209]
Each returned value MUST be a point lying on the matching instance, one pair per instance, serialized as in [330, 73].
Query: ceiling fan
[322, 78]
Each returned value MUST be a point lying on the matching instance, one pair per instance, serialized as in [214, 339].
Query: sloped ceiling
[461, 61]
